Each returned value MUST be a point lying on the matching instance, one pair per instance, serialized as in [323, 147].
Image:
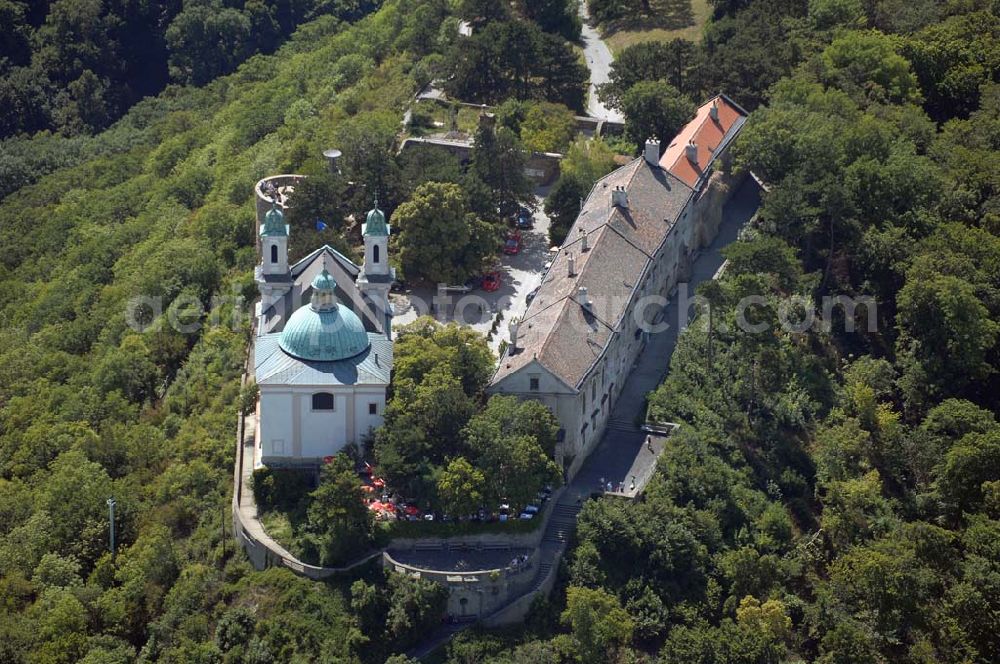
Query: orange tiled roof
[707, 134]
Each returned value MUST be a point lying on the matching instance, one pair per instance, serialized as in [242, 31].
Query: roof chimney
[713, 112]
[513, 327]
[652, 152]
[619, 197]
[584, 241]
[571, 262]
[583, 297]
[691, 149]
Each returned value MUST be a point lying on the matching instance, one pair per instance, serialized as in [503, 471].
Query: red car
[513, 244]
[491, 281]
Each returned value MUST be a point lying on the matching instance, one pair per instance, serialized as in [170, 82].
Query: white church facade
[322, 353]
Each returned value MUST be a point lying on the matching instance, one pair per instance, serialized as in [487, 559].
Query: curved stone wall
[263, 202]
[479, 593]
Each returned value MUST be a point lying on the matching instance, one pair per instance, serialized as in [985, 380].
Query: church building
[323, 348]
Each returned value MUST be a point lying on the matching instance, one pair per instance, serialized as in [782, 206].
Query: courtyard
[520, 274]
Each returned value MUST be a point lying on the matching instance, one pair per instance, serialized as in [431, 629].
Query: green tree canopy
[600, 626]
[338, 518]
[654, 109]
[437, 238]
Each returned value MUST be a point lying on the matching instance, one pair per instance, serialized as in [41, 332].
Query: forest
[832, 495]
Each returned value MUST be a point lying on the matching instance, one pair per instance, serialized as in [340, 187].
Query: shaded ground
[669, 19]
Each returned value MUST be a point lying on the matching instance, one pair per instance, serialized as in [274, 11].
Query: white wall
[322, 432]
[363, 422]
[276, 430]
[286, 415]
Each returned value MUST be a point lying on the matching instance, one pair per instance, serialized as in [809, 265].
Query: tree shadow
[663, 14]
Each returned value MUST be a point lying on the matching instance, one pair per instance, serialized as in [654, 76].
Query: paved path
[599, 60]
[652, 366]
[623, 441]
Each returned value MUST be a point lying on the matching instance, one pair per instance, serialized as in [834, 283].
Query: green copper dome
[375, 222]
[324, 331]
[274, 222]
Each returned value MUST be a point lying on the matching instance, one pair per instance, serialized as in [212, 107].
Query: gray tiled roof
[303, 272]
[273, 366]
[557, 330]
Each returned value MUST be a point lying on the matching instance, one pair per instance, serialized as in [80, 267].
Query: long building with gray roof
[627, 250]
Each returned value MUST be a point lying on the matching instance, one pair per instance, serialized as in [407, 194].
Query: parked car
[513, 243]
[531, 296]
[524, 218]
[527, 515]
[531, 509]
[456, 288]
[491, 281]
[474, 282]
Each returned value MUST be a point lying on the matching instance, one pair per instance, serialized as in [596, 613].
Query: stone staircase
[561, 523]
[543, 571]
[621, 425]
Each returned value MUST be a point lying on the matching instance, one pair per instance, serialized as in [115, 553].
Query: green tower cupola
[274, 223]
[375, 222]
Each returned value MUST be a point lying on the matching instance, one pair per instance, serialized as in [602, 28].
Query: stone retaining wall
[475, 594]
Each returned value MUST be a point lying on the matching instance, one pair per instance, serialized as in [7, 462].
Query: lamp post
[111, 523]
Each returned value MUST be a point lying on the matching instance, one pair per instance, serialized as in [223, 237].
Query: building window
[274, 253]
[533, 384]
[375, 253]
[373, 409]
[322, 401]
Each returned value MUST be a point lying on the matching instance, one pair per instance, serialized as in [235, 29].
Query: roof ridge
[312, 255]
[635, 171]
[626, 238]
[543, 309]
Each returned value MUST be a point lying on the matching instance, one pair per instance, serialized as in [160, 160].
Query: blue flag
[320, 226]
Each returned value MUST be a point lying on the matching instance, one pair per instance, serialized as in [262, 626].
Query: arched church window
[375, 252]
[274, 253]
[322, 401]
